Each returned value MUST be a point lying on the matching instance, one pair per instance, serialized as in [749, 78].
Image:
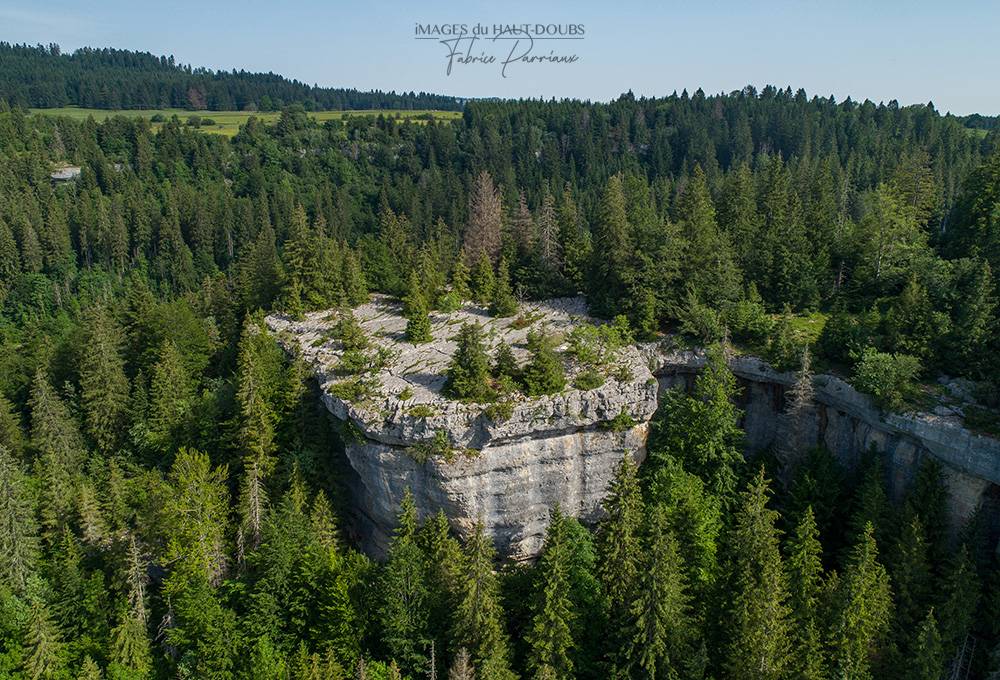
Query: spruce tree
[544, 372]
[926, 660]
[482, 235]
[460, 280]
[479, 620]
[612, 251]
[549, 638]
[805, 585]
[469, 370]
[353, 282]
[418, 323]
[502, 302]
[104, 388]
[483, 280]
[18, 530]
[758, 620]
[619, 546]
[661, 627]
[864, 606]
[11, 432]
[403, 611]
[60, 449]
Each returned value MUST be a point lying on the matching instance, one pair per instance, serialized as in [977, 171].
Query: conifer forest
[173, 494]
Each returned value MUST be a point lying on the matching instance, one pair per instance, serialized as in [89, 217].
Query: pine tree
[479, 621]
[104, 388]
[483, 280]
[461, 667]
[299, 251]
[661, 627]
[549, 637]
[442, 557]
[418, 323]
[503, 303]
[864, 608]
[959, 598]
[805, 585]
[505, 363]
[354, 284]
[759, 619]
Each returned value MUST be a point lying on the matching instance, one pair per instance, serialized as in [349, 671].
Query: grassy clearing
[228, 122]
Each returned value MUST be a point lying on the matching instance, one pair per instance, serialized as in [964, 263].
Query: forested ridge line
[42, 76]
[170, 502]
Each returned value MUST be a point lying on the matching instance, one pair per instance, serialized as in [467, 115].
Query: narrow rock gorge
[508, 470]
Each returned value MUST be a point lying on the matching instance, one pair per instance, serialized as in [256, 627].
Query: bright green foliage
[415, 309]
[864, 605]
[504, 363]
[442, 557]
[805, 587]
[912, 325]
[483, 280]
[612, 251]
[619, 546]
[60, 451]
[695, 517]
[172, 400]
[758, 622]
[18, 530]
[544, 372]
[460, 280]
[887, 377]
[479, 626]
[707, 263]
[661, 626]
[502, 302]
[701, 429]
[926, 661]
[404, 607]
[469, 370]
[959, 597]
[104, 389]
[549, 637]
[11, 432]
[353, 280]
[46, 653]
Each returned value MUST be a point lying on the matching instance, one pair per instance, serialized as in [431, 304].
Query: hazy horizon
[929, 54]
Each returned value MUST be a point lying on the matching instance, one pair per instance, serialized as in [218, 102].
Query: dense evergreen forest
[44, 77]
[171, 503]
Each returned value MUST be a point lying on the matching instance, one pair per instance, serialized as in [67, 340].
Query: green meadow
[228, 122]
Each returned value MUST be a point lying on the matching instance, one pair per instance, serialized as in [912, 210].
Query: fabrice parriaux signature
[503, 45]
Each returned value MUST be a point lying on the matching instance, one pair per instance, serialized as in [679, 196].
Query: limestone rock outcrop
[848, 424]
[507, 471]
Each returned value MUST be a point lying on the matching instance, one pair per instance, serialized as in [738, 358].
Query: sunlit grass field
[228, 122]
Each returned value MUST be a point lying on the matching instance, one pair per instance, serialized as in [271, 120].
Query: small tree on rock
[544, 373]
[418, 323]
[503, 302]
[469, 371]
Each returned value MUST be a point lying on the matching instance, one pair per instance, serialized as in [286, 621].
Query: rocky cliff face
[507, 472]
[848, 424]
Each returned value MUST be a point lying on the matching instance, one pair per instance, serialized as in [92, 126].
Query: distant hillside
[44, 77]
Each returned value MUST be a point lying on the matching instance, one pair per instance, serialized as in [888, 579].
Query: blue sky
[916, 51]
